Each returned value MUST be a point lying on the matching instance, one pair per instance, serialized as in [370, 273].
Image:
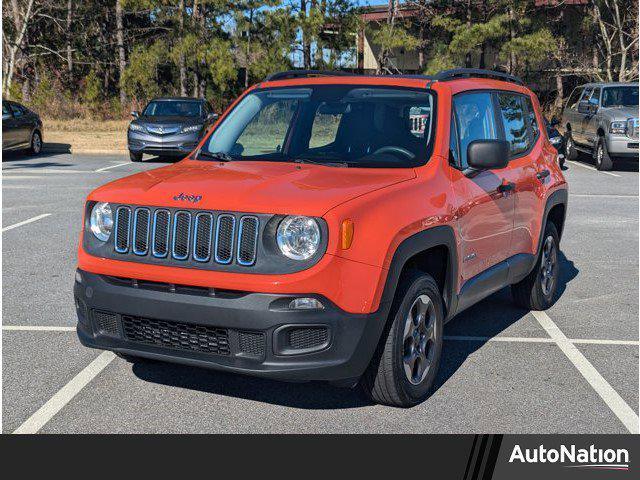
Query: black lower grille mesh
[251, 343]
[311, 337]
[181, 336]
[106, 322]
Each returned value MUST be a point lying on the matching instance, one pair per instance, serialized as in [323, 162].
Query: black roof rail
[456, 73]
[305, 73]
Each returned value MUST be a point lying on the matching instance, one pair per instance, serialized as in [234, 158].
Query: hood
[168, 120]
[620, 113]
[248, 186]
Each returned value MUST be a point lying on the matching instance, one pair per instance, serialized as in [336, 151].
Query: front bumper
[173, 325]
[177, 144]
[622, 146]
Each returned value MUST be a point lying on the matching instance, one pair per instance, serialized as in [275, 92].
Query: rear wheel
[35, 147]
[135, 156]
[537, 290]
[570, 147]
[404, 367]
[603, 160]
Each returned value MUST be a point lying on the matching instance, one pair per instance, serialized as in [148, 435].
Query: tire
[570, 151]
[395, 377]
[603, 160]
[537, 290]
[35, 146]
[561, 161]
[135, 157]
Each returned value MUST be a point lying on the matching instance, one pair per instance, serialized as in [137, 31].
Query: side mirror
[488, 154]
[135, 114]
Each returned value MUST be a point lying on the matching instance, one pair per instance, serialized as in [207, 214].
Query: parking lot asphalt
[572, 369]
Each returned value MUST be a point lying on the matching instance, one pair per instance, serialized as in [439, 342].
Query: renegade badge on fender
[327, 228]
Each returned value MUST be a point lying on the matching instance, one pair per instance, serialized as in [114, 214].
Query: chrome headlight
[191, 128]
[134, 127]
[101, 221]
[298, 237]
[619, 128]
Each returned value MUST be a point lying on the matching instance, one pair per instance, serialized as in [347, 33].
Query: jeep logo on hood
[188, 198]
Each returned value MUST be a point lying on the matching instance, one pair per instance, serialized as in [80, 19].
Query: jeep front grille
[183, 235]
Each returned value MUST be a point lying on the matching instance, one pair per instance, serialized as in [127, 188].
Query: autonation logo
[592, 457]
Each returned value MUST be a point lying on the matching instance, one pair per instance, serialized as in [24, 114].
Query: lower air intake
[106, 322]
[181, 336]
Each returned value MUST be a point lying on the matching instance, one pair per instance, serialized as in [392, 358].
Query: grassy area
[86, 135]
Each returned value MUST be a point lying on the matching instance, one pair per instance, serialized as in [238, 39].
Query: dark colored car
[169, 127]
[21, 128]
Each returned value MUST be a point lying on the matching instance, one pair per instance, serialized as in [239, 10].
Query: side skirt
[507, 272]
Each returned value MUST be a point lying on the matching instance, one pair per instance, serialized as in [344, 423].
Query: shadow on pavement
[621, 165]
[48, 150]
[486, 319]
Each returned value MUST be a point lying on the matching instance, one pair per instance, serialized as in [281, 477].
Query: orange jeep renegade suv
[326, 229]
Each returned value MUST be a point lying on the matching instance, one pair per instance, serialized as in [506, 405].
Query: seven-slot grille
[182, 235]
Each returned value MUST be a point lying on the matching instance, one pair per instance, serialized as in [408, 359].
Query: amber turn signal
[346, 234]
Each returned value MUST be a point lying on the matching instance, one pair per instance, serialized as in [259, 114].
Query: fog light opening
[305, 304]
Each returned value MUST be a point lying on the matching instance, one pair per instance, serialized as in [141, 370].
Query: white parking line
[45, 413]
[112, 166]
[615, 402]
[8, 172]
[24, 222]
[591, 341]
[37, 328]
[589, 167]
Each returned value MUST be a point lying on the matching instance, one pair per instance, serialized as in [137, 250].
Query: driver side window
[475, 120]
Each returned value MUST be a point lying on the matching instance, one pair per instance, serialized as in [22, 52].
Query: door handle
[506, 187]
[543, 174]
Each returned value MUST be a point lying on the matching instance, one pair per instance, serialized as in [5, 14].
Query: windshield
[172, 108]
[620, 97]
[329, 124]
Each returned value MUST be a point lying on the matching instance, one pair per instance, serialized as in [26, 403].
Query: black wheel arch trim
[559, 197]
[439, 236]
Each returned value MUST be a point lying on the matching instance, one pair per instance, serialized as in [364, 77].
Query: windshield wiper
[327, 164]
[220, 156]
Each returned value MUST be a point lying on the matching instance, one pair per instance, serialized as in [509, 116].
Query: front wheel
[538, 289]
[135, 156]
[35, 147]
[404, 367]
[603, 159]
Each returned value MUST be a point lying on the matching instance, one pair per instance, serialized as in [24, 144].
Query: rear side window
[532, 120]
[512, 114]
[475, 120]
[595, 97]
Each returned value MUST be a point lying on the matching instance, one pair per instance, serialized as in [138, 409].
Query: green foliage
[140, 79]
[533, 48]
[92, 89]
[395, 36]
